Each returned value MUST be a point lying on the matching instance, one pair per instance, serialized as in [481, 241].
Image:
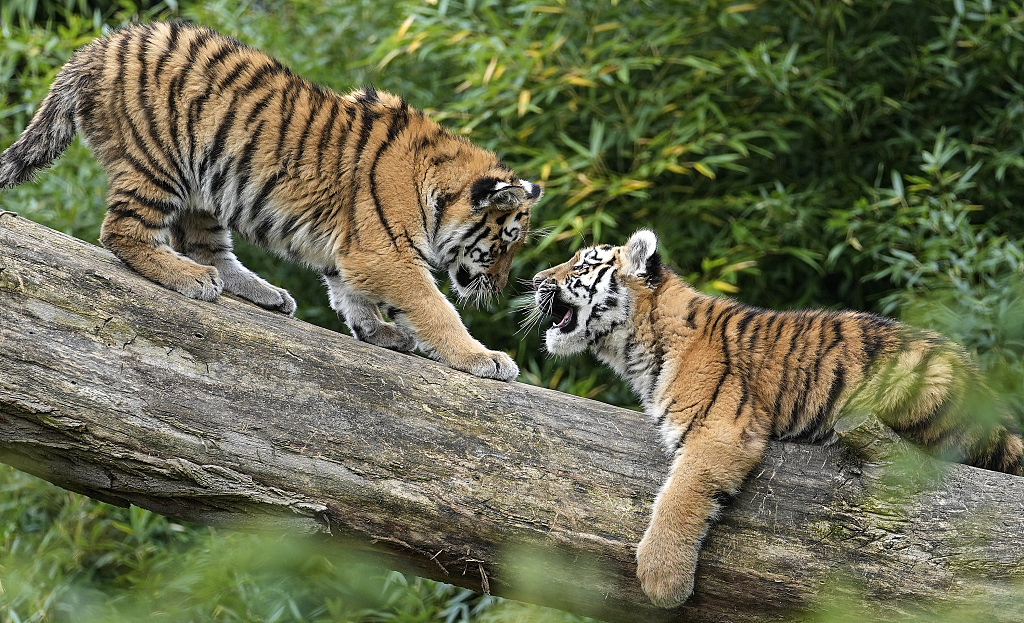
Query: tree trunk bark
[230, 415]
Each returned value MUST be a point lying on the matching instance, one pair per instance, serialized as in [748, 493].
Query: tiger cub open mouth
[564, 314]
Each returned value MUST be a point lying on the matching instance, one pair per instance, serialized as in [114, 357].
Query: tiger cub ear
[642, 257]
[488, 191]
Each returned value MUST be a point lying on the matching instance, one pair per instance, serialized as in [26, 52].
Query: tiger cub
[721, 378]
[201, 136]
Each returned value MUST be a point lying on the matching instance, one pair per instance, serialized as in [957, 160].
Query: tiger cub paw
[665, 577]
[199, 282]
[388, 335]
[267, 296]
[490, 364]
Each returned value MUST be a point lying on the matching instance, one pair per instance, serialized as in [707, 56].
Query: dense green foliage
[790, 153]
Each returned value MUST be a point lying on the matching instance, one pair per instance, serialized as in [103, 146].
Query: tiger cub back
[721, 378]
[201, 135]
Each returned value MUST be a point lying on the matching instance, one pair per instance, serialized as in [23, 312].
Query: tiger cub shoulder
[202, 136]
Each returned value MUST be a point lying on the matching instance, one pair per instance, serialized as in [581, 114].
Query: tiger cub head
[495, 220]
[591, 296]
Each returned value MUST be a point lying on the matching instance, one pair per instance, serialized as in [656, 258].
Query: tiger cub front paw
[489, 364]
[665, 573]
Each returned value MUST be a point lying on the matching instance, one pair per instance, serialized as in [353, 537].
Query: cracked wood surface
[226, 414]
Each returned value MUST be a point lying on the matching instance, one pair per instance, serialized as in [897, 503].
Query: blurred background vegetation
[789, 153]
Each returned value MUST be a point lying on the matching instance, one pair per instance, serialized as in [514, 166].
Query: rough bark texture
[226, 414]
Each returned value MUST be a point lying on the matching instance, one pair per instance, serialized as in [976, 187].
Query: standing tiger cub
[721, 378]
[201, 136]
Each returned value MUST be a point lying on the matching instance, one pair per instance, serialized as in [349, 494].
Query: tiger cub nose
[538, 279]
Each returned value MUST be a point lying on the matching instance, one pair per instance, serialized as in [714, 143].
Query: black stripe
[201, 37]
[474, 229]
[291, 223]
[292, 91]
[259, 107]
[798, 326]
[682, 437]
[486, 234]
[443, 159]
[232, 76]
[261, 231]
[173, 91]
[243, 167]
[725, 313]
[325, 136]
[827, 409]
[304, 135]
[150, 118]
[161, 206]
[259, 77]
[172, 47]
[769, 332]
[800, 403]
[195, 107]
[398, 122]
[152, 170]
[263, 195]
[372, 174]
[744, 375]
[219, 141]
[741, 326]
[243, 174]
[418, 189]
[342, 137]
[441, 203]
[873, 340]
[121, 210]
[151, 176]
[415, 248]
[722, 498]
[157, 175]
[226, 49]
[367, 96]
[692, 314]
[658, 361]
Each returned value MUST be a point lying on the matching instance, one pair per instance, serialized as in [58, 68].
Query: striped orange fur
[202, 136]
[721, 378]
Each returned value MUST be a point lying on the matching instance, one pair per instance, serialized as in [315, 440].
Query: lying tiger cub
[720, 378]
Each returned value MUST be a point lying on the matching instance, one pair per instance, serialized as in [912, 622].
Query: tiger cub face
[589, 296]
[497, 226]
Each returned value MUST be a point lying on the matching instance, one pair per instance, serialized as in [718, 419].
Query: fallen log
[230, 415]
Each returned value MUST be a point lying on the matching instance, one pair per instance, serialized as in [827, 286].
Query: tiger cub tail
[51, 129]
[1004, 455]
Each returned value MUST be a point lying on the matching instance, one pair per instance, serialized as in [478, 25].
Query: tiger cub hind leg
[136, 229]
[201, 237]
[363, 317]
[422, 318]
